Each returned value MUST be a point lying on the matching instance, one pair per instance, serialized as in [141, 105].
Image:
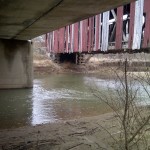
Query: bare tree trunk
[125, 118]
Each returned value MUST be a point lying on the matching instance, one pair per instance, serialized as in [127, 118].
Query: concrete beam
[30, 18]
[15, 64]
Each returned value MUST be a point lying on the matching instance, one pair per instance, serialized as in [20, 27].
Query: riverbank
[85, 133]
[104, 68]
[88, 133]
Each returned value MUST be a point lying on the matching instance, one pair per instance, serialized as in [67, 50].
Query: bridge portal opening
[68, 58]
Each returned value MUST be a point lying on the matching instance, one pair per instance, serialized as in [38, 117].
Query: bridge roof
[26, 19]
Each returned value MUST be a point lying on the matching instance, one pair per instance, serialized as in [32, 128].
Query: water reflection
[53, 103]
[142, 89]
[42, 109]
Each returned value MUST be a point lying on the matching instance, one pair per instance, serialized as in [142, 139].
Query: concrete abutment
[16, 64]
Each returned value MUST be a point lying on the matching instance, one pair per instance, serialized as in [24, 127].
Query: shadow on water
[15, 107]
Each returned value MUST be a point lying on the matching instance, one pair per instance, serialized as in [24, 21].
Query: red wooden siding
[97, 32]
[131, 26]
[89, 33]
[61, 40]
[119, 25]
[56, 41]
[67, 39]
[146, 39]
[85, 36]
[92, 33]
[76, 37]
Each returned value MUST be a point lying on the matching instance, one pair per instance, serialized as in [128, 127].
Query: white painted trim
[72, 39]
[138, 22]
[105, 31]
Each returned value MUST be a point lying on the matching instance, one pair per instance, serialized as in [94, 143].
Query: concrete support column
[16, 67]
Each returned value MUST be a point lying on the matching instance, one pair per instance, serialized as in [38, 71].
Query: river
[55, 98]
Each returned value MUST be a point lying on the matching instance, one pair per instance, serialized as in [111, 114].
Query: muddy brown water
[56, 98]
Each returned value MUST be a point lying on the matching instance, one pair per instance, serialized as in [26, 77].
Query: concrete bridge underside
[23, 20]
[27, 19]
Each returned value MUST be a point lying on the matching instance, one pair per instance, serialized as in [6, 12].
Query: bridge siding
[146, 40]
[86, 35]
[83, 39]
[69, 42]
[80, 36]
[131, 26]
[119, 25]
[138, 24]
[50, 41]
[90, 34]
[67, 39]
[97, 32]
[76, 37]
[61, 39]
[70, 36]
[97, 20]
[56, 41]
[105, 31]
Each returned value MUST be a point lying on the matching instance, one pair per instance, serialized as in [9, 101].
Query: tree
[132, 113]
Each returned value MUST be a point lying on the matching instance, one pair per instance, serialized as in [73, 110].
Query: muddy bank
[90, 133]
[85, 133]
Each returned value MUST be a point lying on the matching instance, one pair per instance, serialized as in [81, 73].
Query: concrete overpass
[24, 20]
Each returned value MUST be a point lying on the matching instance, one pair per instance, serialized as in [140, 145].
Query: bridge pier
[16, 67]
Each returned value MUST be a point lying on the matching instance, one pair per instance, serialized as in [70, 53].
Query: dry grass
[43, 65]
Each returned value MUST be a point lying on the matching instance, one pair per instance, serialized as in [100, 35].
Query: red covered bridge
[126, 28]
